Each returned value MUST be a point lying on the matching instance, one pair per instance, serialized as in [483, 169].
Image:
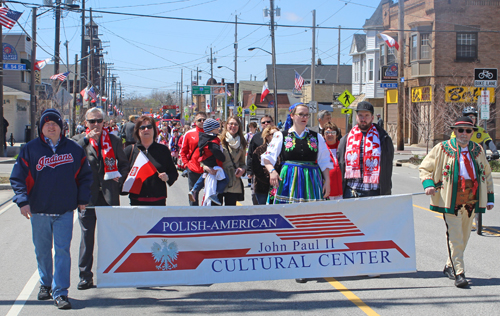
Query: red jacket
[189, 150]
[335, 175]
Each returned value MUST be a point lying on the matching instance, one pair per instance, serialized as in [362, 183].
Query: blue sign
[14, 66]
[271, 104]
[9, 52]
[388, 85]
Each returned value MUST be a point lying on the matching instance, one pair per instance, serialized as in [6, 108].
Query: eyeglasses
[461, 130]
[304, 115]
[143, 127]
[266, 122]
[331, 133]
[201, 120]
[95, 121]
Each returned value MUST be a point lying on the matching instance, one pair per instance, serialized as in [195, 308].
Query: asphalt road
[426, 292]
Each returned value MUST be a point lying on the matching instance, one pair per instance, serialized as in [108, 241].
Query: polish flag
[85, 94]
[140, 171]
[265, 92]
[391, 42]
[42, 63]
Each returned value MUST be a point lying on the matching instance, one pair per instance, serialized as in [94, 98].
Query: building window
[466, 46]
[391, 55]
[425, 46]
[383, 49]
[23, 76]
[414, 47]
[356, 69]
[370, 69]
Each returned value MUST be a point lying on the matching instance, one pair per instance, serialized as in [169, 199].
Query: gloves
[495, 155]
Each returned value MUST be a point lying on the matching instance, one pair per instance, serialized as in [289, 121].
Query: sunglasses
[143, 127]
[304, 115]
[266, 122]
[331, 133]
[95, 121]
[201, 120]
[461, 130]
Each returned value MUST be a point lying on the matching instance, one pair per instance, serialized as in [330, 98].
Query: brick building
[444, 41]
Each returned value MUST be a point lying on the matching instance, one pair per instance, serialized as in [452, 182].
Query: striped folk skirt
[301, 182]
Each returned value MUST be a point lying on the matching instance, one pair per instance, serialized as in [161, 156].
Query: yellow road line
[424, 208]
[238, 203]
[351, 296]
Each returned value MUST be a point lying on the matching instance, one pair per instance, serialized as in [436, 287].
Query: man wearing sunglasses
[189, 153]
[109, 169]
[255, 142]
[458, 178]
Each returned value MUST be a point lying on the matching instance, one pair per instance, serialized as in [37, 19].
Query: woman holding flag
[151, 164]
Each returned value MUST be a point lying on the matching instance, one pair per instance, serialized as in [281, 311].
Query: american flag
[91, 93]
[299, 81]
[8, 18]
[60, 76]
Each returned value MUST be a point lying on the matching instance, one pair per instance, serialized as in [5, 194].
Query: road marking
[238, 203]
[6, 208]
[24, 295]
[424, 208]
[351, 296]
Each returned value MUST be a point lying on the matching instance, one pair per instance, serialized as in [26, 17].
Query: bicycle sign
[485, 77]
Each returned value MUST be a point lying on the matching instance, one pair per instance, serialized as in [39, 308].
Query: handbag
[240, 196]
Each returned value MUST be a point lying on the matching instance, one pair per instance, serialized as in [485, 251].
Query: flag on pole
[8, 18]
[85, 94]
[228, 93]
[104, 99]
[42, 63]
[92, 93]
[391, 42]
[299, 81]
[265, 92]
[60, 76]
[140, 171]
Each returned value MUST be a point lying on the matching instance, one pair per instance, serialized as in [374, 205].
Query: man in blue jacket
[51, 178]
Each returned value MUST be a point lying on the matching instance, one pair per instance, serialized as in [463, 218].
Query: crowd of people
[285, 163]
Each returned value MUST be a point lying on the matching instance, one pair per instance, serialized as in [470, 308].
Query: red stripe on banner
[120, 256]
[348, 224]
[322, 230]
[310, 233]
[325, 236]
[187, 260]
[373, 245]
[313, 215]
[321, 222]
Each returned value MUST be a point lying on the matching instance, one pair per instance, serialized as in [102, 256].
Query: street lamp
[274, 80]
[235, 98]
[225, 67]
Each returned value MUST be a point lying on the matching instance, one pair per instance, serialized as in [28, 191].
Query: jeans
[349, 194]
[221, 184]
[59, 229]
[192, 178]
[262, 198]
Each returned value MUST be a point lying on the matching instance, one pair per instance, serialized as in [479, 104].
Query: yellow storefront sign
[465, 94]
[421, 94]
[392, 96]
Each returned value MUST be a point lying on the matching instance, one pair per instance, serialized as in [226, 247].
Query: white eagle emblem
[371, 164]
[352, 157]
[165, 254]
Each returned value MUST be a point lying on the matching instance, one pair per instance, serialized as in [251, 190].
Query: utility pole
[72, 109]
[400, 134]
[90, 70]
[58, 30]
[338, 59]
[273, 51]
[33, 79]
[313, 61]
[83, 52]
[2, 134]
[180, 89]
[235, 97]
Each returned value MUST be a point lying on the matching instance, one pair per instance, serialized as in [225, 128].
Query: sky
[149, 53]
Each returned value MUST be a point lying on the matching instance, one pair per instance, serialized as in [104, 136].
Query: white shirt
[463, 168]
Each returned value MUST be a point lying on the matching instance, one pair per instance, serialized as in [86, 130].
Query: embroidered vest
[300, 149]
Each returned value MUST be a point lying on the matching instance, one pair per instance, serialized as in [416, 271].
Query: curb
[5, 186]
[11, 161]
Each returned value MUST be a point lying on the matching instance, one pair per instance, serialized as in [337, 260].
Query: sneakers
[62, 302]
[44, 293]
[191, 196]
[448, 271]
[214, 199]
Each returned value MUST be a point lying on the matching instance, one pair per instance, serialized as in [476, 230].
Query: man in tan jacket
[458, 177]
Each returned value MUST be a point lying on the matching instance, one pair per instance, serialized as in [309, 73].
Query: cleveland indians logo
[53, 161]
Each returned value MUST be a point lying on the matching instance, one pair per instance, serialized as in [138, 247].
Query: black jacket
[255, 142]
[161, 158]
[110, 188]
[261, 180]
[386, 158]
[128, 128]
[210, 151]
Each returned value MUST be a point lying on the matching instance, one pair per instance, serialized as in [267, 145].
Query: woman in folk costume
[163, 136]
[305, 174]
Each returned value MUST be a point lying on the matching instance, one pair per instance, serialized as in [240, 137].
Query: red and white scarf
[107, 153]
[371, 155]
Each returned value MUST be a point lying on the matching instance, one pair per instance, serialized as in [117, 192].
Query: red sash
[371, 155]
[107, 153]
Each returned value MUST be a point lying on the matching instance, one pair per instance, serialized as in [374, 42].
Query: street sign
[253, 107]
[485, 77]
[40, 87]
[346, 111]
[199, 90]
[346, 98]
[14, 66]
[313, 106]
[485, 104]
[389, 85]
[240, 111]
[186, 117]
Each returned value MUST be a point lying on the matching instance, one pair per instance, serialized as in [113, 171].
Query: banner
[160, 246]
[421, 94]
[465, 94]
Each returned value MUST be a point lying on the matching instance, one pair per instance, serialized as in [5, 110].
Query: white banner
[159, 246]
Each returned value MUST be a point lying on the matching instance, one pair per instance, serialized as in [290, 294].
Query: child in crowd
[173, 144]
[211, 156]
